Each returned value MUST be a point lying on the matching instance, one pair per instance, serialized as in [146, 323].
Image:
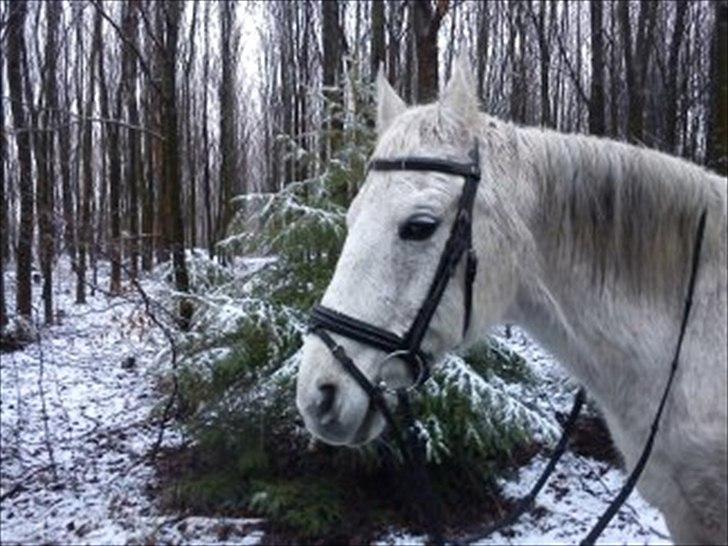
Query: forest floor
[77, 429]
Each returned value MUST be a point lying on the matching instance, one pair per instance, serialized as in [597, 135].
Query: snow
[84, 479]
[76, 429]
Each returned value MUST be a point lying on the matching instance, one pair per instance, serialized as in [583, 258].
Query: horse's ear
[389, 105]
[459, 94]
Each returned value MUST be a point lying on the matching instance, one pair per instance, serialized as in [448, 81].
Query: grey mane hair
[628, 214]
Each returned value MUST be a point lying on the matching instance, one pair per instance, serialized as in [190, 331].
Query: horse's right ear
[389, 105]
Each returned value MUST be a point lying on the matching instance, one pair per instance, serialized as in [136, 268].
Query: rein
[408, 348]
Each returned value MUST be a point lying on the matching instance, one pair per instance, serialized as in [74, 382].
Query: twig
[173, 350]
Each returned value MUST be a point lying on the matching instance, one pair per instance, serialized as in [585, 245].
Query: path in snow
[82, 479]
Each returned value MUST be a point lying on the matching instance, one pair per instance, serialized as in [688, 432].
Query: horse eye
[418, 227]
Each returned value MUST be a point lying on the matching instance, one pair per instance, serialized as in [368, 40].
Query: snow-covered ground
[76, 428]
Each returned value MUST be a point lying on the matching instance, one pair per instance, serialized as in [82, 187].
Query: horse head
[398, 226]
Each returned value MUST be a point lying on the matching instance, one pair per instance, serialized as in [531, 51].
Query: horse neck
[613, 229]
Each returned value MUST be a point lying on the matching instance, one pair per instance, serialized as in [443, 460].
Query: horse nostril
[327, 398]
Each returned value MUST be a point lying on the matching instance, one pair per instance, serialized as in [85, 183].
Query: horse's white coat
[585, 242]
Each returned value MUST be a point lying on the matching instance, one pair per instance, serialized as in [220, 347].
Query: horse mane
[628, 213]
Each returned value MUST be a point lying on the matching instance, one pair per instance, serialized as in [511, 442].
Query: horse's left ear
[389, 105]
[459, 94]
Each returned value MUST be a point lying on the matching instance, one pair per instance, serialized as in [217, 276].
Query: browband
[458, 243]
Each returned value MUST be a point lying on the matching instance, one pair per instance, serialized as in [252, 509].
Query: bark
[717, 145]
[483, 24]
[614, 79]
[544, 49]
[86, 238]
[3, 203]
[161, 192]
[426, 20]
[597, 120]
[636, 62]
[114, 154]
[227, 120]
[672, 106]
[516, 53]
[108, 164]
[44, 157]
[172, 16]
[190, 122]
[133, 141]
[68, 187]
[394, 32]
[332, 37]
[149, 238]
[17, 12]
[206, 141]
[378, 46]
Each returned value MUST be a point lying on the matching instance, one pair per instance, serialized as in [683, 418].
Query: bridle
[408, 347]
[460, 242]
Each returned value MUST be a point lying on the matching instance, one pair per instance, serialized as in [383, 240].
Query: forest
[174, 178]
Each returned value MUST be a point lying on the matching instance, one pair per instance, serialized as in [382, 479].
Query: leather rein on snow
[408, 348]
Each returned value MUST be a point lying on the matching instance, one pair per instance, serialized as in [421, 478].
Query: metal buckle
[421, 371]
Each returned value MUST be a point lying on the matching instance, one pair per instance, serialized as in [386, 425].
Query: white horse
[583, 241]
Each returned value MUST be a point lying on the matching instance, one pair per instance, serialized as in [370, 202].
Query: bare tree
[3, 203]
[333, 50]
[426, 21]
[717, 146]
[17, 12]
[597, 119]
[636, 62]
[133, 141]
[378, 24]
[227, 119]
[172, 15]
[86, 239]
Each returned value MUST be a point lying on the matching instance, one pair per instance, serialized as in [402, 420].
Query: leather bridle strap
[408, 442]
[458, 243]
[631, 481]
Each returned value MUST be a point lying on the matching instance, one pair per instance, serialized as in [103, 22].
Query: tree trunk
[3, 203]
[206, 141]
[635, 64]
[717, 145]
[86, 239]
[149, 238]
[394, 30]
[133, 141]
[108, 159]
[172, 157]
[426, 20]
[332, 36]
[227, 120]
[672, 101]
[378, 53]
[516, 53]
[114, 154]
[544, 48]
[481, 48]
[44, 157]
[15, 51]
[597, 121]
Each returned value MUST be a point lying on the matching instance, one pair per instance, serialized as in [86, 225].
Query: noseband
[408, 347]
